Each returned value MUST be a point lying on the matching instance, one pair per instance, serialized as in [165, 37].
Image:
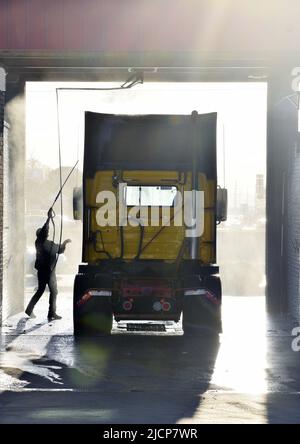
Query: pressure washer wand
[61, 188]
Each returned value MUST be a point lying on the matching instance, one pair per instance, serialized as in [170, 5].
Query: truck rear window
[156, 196]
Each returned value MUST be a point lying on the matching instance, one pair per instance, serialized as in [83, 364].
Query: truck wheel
[91, 316]
[202, 314]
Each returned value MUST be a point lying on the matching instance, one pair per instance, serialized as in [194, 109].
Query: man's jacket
[46, 251]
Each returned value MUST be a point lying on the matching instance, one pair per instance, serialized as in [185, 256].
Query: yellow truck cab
[150, 206]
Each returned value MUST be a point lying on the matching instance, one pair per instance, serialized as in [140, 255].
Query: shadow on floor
[119, 379]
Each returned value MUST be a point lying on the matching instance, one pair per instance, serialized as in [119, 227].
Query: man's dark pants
[45, 278]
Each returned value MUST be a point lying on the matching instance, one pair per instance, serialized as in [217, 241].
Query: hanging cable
[60, 190]
[78, 132]
[137, 77]
[66, 180]
[52, 211]
[224, 157]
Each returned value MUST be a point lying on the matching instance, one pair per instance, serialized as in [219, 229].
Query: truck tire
[94, 317]
[201, 314]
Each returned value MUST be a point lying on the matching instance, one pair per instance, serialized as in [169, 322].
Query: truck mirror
[221, 211]
[77, 203]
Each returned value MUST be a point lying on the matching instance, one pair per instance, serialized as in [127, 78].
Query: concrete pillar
[15, 206]
[2, 101]
[282, 126]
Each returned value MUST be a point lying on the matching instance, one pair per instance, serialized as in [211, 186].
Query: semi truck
[150, 206]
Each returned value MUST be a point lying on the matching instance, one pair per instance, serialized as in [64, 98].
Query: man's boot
[53, 317]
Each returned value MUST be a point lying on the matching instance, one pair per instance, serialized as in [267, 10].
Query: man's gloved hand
[67, 241]
[50, 213]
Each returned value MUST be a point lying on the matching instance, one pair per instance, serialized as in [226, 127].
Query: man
[46, 258]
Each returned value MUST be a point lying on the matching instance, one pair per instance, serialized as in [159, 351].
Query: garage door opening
[241, 153]
[241, 140]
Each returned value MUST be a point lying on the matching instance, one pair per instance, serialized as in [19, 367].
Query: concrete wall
[282, 130]
[2, 100]
[143, 25]
[12, 271]
[13, 240]
[293, 256]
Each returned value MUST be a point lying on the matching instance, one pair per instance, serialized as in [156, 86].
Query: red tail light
[166, 306]
[127, 305]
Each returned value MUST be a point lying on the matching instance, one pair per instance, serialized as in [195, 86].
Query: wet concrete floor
[249, 374]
